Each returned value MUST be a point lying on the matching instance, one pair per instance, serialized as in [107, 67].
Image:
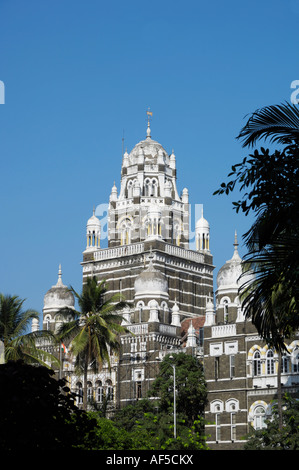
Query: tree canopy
[14, 325]
[269, 184]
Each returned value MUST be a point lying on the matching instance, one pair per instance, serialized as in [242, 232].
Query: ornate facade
[170, 289]
[240, 369]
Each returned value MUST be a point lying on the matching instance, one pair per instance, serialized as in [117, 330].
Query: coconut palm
[93, 331]
[269, 183]
[278, 123]
[268, 302]
[14, 325]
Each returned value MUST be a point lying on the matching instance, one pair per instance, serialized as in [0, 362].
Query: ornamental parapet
[117, 252]
[223, 330]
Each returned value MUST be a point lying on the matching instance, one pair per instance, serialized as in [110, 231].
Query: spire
[59, 281]
[236, 255]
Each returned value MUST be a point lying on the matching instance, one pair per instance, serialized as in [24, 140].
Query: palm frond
[278, 123]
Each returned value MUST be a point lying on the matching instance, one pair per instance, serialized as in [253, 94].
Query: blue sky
[80, 75]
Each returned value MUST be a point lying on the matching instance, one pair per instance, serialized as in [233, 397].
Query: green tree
[152, 429]
[93, 331]
[274, 437]
[269, 184]
[191, 391]
[150, 422]
[14, 325]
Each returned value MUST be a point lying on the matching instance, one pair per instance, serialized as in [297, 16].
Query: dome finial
[236, 244]
[148, 132]
[59, 281]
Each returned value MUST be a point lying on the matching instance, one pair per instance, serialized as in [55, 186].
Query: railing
[183, 253]
[136, 248]
[117, 252]
[139, 329]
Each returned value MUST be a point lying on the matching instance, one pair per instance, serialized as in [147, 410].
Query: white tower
[93, 232]
[202, 233]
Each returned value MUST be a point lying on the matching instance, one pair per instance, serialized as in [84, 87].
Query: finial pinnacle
[148, 132]
[59, 281]
[236, 244]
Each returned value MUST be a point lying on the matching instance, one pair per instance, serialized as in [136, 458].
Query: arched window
[225, 311]
[125, 232]
[48, 321]
[270, 362]
[79, 392]
[110, 390]
[257, 363]
[140, 307]
[285, 363]
[130, 189]
[89, 391]
[147, 187]
[259, 418]
[154, 189]
[99, 391]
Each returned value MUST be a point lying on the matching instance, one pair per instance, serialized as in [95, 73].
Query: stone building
[148, 260]
[172, 307]
[240, 369]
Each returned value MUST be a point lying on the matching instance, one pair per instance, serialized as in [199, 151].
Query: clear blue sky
[78, 74]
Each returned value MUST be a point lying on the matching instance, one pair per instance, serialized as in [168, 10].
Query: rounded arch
[216, 406]
[125, 228]
[253, 349]
[130, 185]
[257, 414]
[232, 405]
[225, 300]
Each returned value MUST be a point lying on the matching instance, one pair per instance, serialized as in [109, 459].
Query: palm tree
[14, 325]
[271, 307]
[278, 123]
[93, 331]
[270, 184]
[273, 239]
[270, 296]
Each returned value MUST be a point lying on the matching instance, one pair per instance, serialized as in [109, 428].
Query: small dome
[93, 221]
[59, 296]
[230, 272]
[202, 223]
[151, 281]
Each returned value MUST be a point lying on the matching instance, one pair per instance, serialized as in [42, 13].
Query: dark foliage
[37, 412]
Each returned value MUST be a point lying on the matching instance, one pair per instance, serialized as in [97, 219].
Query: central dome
[150, 149]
